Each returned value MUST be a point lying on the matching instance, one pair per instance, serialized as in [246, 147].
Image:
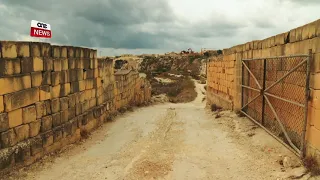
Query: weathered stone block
[55, 91]
[15, 118]
[315, 44]
[31, 64]
[92, 102]
[46, 78]
[97, 82]
[64, 52]
[64, 64]
[56, 119]
[48, 106]
[46, 123]
[78, 109]
[55, 78]
[79, 63]
[10, 67]
[45, 50]
[72, 100]
[21, 99]
[56, 51]
[65, 89]
[57, 65]
[64, 116]
[35, 49]
[70, 52]
[36, 145]
[8, 139]
[86, 63]
[22, 153]
[89, 84]
[64, 103]
[64, 77]
[29, 114]
[45, 93]
[23, 49]
[77, 86]
[47, 139]
[55, 105]
[88, 74]
[14, 84]
[4, 122]
[93, 93]
[75, 75]
[47, 64]
[71, 63]
[22, 132]
[1, 104]
[41, 109]
[85, 106]
[82, 96]
[71, 113]
[8, 49]
[57, 134]
[36, 79]
[34, 128]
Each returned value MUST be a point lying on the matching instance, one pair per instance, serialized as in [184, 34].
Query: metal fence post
[263, 88]
[307, 95]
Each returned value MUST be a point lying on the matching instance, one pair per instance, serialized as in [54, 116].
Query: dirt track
[169, 141]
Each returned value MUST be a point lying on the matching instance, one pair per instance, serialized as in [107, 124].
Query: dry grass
[312, 165]
[180, 91]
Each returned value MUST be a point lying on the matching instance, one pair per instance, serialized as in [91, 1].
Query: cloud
[159, 25]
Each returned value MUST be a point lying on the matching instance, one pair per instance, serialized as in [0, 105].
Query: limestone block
[46, 78]
[36, 145]
[29, 114]
[9, 67]
[79, 63]
[35, 49]
[23, 49]
[55, 105]
[31, 64]
[45, 92]
[55, 91]
[64, 116]
[64, 51]
[92, 102]
[15, 118]
[77, 86]
[64, 77]
[13, 84]
[299, 34]
[70, 52]
[57, 134]
[56, 51]
[64, 64]
[57, 64]
[65, 89]
[315, 66]
[1, 104]
[292, 36]
[21, 99]
[55, 78]
[71, 63]
[36, 79]
[4, 122]
[78, 109]
[47, 139]
[89, 84]
[46, 123]
[47, 64]
[86, 63]
[315, 44]
[71, 113]
[34, 128]
[22, 132]
[8, 49]
[45, 49]
[56, 119]
[8, 138]
[64, 103]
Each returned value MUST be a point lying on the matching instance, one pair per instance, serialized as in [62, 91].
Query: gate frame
[262, 92]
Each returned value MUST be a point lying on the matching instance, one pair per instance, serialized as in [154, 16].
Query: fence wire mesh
[274, 95]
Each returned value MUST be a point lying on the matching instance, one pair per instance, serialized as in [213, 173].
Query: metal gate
[275, 93]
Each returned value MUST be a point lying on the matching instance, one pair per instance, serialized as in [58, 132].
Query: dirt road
[169, 141]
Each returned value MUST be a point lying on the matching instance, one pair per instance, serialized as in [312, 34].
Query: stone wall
[224, 72]
[50, 95]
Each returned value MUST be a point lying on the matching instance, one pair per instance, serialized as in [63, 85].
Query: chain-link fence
[275, 95]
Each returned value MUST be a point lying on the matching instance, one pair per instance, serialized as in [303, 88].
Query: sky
[117, 27]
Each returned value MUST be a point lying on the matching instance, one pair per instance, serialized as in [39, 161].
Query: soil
[170, 141]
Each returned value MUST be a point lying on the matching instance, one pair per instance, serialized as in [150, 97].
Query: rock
[296, 173]
[289, 162]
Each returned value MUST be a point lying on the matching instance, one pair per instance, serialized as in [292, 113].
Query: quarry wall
[50, 95]
[225, 74]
